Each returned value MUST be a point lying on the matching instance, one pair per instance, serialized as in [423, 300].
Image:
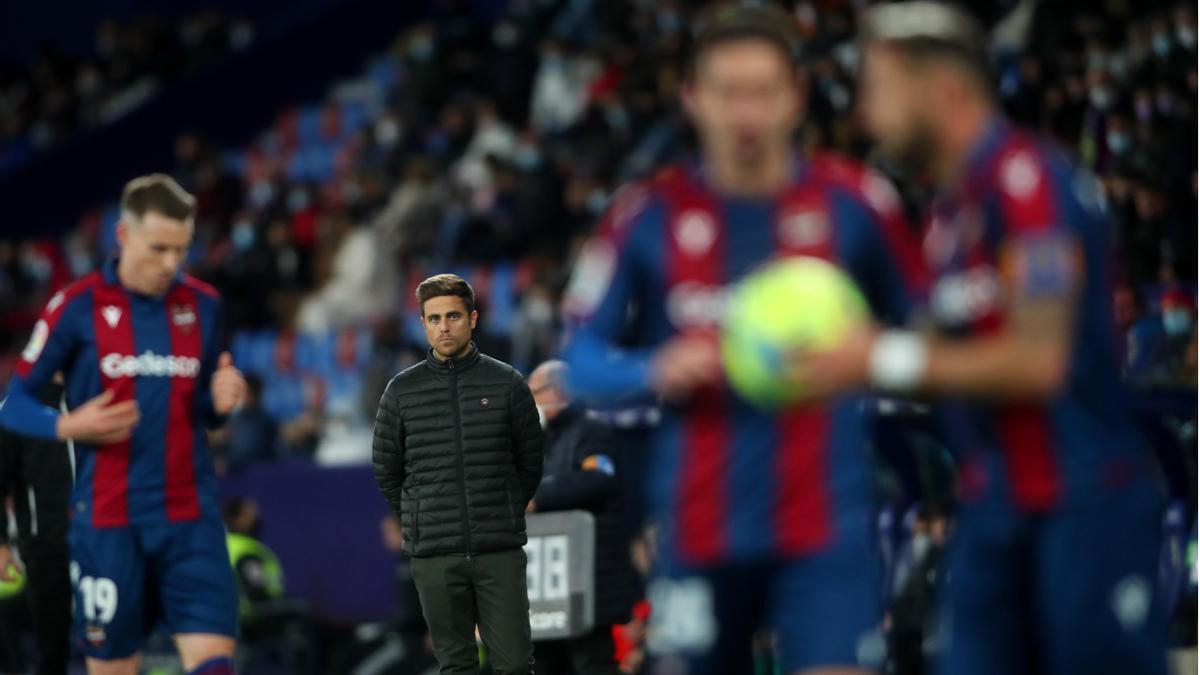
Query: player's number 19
[99, 598]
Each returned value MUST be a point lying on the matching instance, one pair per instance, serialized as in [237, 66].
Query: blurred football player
[1053, 566]
[138, 342]
[765, 513]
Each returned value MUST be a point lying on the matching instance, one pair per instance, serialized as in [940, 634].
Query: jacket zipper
[462, 460]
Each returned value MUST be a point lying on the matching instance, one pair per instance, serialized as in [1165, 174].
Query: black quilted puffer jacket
[458, 454]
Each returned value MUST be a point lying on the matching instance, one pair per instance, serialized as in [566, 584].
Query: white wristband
[898, 360]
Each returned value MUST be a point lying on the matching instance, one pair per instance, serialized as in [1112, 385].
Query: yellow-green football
[796, 303]
[10, 588]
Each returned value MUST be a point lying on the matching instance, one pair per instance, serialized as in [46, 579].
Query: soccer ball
[792, 304]
[10, 588]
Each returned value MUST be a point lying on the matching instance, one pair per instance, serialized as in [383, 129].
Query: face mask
[1161, 43]
[420, 49]
[920, 546]
[1100, 97]
[1186, 36]
[387, 132]
[1177, 322]
[669, 23]
[297, 200]
[527, 158]
[616, 117]
[261, 194]
[596, 201]
[243, 236]
[1118, 142]
[504, 35]
[542, 417]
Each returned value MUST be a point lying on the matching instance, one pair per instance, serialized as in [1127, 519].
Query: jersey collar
[109, 271]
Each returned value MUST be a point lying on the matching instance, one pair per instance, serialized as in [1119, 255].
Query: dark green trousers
[488, 590]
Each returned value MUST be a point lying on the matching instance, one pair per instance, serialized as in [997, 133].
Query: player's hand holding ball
[228, 385]
[795, 331]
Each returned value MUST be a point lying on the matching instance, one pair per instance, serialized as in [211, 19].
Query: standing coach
[458, 455]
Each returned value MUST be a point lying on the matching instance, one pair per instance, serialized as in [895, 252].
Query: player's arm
[607, 282]
[1028, 358]
[221, 383]
[590, 483]
[526, 437]
[1040, 273]
[50, 349]
[387, 447]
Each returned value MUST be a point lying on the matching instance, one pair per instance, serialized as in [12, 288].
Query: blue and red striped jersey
[1025, 222]
[730, 480]
[161, 351]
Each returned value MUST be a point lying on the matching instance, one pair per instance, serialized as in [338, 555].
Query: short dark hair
[157, 192]
[724, 22]
[446, 284]
[930, 31]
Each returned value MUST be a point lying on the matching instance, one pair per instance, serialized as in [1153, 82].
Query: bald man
[581, 473]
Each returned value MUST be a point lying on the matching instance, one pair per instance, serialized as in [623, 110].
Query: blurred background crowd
[487, 138]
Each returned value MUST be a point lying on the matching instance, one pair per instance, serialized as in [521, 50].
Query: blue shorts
[1070, 592]
[128, 579]
[824, 609]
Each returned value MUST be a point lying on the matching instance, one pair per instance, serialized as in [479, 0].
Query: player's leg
[448, 604]
[108, 578]
[502, 596]
[985, 627]
[206, 653]
[196, 591]
[704, 619]
[1096, 567]
[826, 608]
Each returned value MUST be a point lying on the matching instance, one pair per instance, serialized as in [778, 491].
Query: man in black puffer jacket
[458, 455]
[581, 473]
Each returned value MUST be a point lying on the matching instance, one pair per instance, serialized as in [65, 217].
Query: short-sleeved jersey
[161, 351]
[731, 480]
[1025, 222]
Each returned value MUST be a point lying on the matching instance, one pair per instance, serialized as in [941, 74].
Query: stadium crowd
[490, 148]
[59, 93]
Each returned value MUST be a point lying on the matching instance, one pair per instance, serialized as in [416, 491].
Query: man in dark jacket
[458, 455]
[581, 474]
[37, 474]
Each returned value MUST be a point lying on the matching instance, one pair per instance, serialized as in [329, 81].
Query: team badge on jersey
[183, 317]
[804, 228]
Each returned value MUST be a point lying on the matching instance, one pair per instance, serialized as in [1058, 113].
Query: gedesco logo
[692, 305]
[149, 364]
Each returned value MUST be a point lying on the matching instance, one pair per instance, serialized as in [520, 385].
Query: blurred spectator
[910, 620]
[1162, 346]
[276, 632]
[251, 435]
[581, 473]
[57, 94]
